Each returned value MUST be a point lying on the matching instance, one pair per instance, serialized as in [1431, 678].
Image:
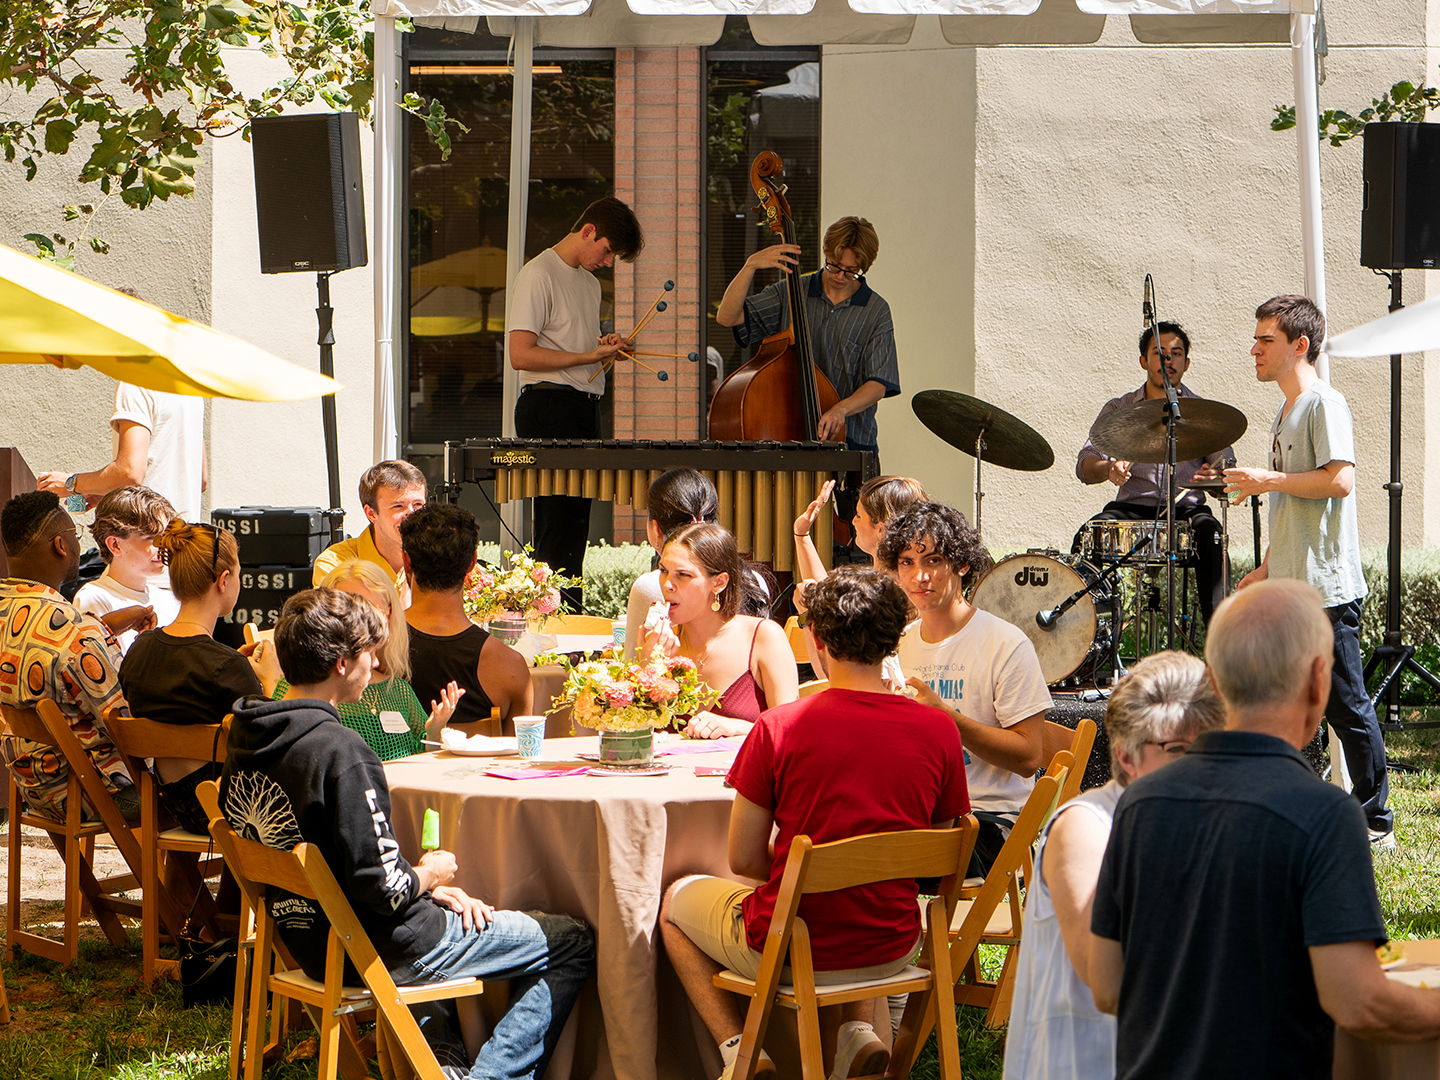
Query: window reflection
[459, 209]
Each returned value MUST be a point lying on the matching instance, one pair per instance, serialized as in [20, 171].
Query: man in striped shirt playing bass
[853, 337]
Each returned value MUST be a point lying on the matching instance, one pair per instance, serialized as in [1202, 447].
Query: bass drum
[1020, 587]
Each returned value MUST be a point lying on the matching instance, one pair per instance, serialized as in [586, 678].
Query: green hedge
[609, 573]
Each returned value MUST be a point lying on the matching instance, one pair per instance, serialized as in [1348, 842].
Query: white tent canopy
[675, 23]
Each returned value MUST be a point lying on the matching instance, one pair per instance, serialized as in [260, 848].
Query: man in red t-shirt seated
[855, 759]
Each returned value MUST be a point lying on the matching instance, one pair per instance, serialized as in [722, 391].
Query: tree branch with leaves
[1405, 101]
[143, 129]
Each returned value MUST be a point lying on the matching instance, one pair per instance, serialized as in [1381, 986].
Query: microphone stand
[1172, 415]
[1046, 620]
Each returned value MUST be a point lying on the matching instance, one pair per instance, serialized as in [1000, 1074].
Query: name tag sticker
[393, 723]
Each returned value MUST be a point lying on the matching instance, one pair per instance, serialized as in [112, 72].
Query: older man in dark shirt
[1235, 919]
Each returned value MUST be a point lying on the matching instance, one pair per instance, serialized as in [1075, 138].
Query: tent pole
[386, 224]
[523, 43]
[1307, 128]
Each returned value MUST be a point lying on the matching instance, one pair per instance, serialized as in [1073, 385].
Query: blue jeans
[546, 958]
[1352, 716]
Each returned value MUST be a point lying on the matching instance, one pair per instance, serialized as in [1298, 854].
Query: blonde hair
[1164, 697]
[190, 553]
[127, 511]
[395, 656]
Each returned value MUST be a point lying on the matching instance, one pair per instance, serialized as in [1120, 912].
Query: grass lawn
[98, 1021]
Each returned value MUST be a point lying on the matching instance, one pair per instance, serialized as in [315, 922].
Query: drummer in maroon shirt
[852, 760]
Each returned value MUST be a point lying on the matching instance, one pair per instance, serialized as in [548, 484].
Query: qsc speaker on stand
[1399, 230]
[310, 209]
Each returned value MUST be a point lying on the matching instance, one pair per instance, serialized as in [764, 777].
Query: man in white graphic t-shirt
[981, 670]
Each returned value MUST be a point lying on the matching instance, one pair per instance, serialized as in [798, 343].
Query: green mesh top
[393, 695]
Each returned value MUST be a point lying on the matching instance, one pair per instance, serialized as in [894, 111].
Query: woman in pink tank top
[748, 659]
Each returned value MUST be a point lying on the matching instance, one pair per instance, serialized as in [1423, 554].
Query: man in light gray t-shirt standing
[1314, 536]
[556, 345]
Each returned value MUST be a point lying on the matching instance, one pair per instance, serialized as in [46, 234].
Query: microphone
[1147, 306]
[1047, 619]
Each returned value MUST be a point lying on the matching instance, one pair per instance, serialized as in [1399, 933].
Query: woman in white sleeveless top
[1055, 1030]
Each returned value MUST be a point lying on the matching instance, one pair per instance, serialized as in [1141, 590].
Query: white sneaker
[764, 1069]
[859, 1051]
[1384, 840]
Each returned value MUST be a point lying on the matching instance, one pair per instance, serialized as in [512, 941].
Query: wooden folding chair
[304, 872]
[796, 636]
[1080, 741]
[861, 860]
[169, 855]
[995, 913]
[814, 686]
[74, 839]
[577, 624]
[4, 1001]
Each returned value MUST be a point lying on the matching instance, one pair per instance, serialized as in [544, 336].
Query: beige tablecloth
[600, 848]
[1357, 1059]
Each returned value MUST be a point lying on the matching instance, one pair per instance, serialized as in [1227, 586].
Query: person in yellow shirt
[389, 492]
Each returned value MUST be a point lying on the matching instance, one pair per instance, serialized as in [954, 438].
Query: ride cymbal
[960, 419]
[1137, 432]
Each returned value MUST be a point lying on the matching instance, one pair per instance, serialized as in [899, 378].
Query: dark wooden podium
[15, 478]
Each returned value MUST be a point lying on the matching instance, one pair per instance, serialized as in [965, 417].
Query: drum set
[1081, 610]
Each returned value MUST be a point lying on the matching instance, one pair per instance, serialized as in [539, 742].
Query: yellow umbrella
[52, 316]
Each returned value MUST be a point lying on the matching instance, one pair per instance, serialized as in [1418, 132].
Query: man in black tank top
[439, 543]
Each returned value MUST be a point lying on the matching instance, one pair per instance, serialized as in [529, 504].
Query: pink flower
[680, 663]
[619, 695]
[540, 574]
[658, 688]
[547, 603]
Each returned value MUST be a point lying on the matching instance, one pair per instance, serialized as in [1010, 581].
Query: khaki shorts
[709, 911]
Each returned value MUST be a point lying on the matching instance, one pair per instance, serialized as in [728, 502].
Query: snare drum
[1106, 540]
[1017, 589]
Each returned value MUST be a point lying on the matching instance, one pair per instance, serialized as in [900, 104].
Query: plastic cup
[530, 736]
[617, 633]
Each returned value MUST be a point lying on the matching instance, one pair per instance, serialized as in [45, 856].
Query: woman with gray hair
[1055, 1029]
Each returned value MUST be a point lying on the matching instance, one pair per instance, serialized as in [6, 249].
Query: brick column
[658, 142]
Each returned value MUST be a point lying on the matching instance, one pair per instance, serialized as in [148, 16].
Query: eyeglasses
[1174, 748]
[848, 275]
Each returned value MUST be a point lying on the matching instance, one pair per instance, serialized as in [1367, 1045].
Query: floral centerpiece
[626, 701]
[522, 593]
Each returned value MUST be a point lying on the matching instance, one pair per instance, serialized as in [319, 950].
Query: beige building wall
[1022, 194]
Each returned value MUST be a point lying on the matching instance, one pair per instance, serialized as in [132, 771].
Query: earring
[715, 603]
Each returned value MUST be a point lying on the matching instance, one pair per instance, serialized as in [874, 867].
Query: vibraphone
[763, 486]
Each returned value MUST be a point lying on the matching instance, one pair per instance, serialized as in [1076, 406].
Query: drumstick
[647, 367]
[668, 286]
[692, 357]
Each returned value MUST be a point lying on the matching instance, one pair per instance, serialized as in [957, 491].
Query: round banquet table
[600, 848]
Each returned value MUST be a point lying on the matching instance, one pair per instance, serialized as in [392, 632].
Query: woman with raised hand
[703, 583]
[881, 498]
[388, 716]
[179, 673]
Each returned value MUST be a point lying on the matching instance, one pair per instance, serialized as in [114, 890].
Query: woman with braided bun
[179, 674]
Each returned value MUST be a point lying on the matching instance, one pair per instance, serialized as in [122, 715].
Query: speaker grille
[308, 203]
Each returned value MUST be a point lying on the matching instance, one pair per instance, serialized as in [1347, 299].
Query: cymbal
[1137, 432]
[959, 419]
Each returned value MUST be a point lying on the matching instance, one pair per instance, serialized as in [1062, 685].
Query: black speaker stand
[1395, 655]
[325, 314]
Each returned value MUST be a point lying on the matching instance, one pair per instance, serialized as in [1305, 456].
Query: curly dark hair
[946, 529]
[857, 613]
[24, 517]
[440, 539]
[318, 627]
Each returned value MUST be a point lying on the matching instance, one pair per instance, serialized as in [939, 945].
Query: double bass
[780, 394]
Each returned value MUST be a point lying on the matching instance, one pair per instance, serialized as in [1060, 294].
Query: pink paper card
[729, 744]
[536, 772]
[712, 770]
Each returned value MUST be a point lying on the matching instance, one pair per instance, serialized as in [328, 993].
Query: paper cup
[530, 736]
[617, 633]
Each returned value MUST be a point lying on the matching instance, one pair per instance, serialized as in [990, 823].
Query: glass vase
[627, 749]
[506, 629]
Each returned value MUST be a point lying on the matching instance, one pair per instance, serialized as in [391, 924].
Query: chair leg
[998, 1014]
[329, 1060]
[943, 997]
[4, 1001]
[260, 964]
[802, 971]
[12, 884]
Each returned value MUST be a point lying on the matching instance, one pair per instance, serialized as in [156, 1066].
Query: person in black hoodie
[295, 773]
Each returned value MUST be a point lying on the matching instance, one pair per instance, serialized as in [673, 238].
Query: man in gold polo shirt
[390, 492]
